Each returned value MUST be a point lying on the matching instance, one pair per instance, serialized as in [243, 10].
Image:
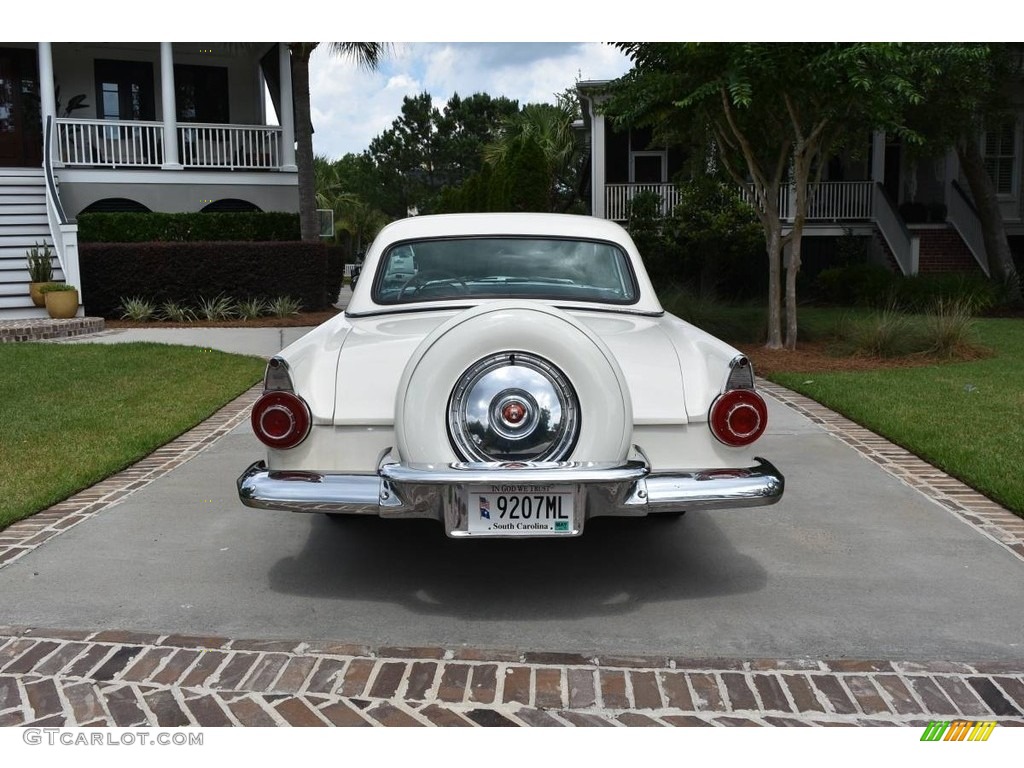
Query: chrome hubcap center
[513, 413]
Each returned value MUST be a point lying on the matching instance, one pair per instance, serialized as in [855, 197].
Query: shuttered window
[999, 152]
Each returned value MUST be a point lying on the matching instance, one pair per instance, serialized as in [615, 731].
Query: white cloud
[351, 106]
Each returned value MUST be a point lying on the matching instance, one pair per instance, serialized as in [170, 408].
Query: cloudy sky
[351, 106]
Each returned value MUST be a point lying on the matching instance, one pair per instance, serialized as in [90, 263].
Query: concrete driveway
[854, 563]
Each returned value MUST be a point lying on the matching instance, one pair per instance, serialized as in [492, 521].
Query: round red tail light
[738, 417]
[281, 419]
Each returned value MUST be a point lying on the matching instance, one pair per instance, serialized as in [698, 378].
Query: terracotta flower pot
[36, 295]
[61, 304]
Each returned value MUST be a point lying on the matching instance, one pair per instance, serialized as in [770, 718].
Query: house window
[124, 90]
[648, 167]
[998, 149]
[201, 93]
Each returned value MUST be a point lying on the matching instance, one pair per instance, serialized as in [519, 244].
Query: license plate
[495, 509]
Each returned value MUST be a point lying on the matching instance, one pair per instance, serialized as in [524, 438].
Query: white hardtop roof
[497, 225]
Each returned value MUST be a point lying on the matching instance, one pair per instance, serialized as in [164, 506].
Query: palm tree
[368, 56]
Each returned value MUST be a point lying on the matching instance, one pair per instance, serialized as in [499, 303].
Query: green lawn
[966, 418]
[72, 414]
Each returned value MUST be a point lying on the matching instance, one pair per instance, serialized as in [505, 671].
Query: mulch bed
[819, 357]
[301, 319]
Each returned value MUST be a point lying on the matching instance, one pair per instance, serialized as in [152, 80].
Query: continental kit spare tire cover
[512, 381]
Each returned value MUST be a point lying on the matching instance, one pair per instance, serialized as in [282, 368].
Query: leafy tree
[715, 236]
[343, 187]
[427, 148]
[772, 113]
[368, 55]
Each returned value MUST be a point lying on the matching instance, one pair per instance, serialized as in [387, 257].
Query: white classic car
[508, 375]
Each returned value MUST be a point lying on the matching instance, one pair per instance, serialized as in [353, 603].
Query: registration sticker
[520, 510]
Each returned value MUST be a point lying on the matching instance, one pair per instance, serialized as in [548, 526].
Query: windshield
[504, 267]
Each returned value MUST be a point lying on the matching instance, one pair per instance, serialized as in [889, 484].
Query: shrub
[716, 244]
[919, 293]
[250, 309]
[950, 328]
[868, 285]
[284, 306]
[138, 309]
[220, 307]
[337, 257]
[646, 228]
[888, 333]
[182, 272]
[56, 288]
[40, 263]
[173, 312]
[187, 227]
[735, 324]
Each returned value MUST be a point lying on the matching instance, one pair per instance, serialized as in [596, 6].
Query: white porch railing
[63, 233]
[113, 143]
[617, 198]
[829, 201]
[229, 146]
[965, 221]
[139, 144]
[840, 201]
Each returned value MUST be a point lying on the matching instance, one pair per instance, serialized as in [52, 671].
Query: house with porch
[170, 127]
[917, 213]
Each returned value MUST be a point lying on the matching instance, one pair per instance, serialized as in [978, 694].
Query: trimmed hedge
[185, 272]
[337, 257]
[187, 227]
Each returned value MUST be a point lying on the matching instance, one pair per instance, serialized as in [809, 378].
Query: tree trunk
[792, 269]
[997, 247]
[309, 226]
[801, 174]
[773, 240]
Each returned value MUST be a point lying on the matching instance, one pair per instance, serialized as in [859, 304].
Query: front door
[21, 136]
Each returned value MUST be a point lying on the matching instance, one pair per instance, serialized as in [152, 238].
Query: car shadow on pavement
[617, 566]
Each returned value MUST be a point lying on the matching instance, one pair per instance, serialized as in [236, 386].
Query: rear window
[504, 267]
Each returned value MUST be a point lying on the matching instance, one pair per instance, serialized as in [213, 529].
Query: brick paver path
[57, 677]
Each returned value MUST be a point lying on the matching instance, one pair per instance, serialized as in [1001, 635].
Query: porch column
[878, 156]
[170, 108]
[47, 96]
[287, 116]
[597, 170]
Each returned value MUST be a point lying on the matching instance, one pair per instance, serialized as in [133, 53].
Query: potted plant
[40, 271]
[61, 300]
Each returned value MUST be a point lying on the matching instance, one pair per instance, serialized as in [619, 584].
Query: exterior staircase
[23, 224]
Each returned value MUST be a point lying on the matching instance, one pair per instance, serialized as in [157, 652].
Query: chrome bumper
[438, 492]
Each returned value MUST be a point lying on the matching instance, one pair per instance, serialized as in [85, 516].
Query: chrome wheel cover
[513, 406]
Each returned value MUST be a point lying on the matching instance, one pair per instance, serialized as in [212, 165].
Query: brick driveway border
[25, 535]
[976, 510]
[64, 678]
